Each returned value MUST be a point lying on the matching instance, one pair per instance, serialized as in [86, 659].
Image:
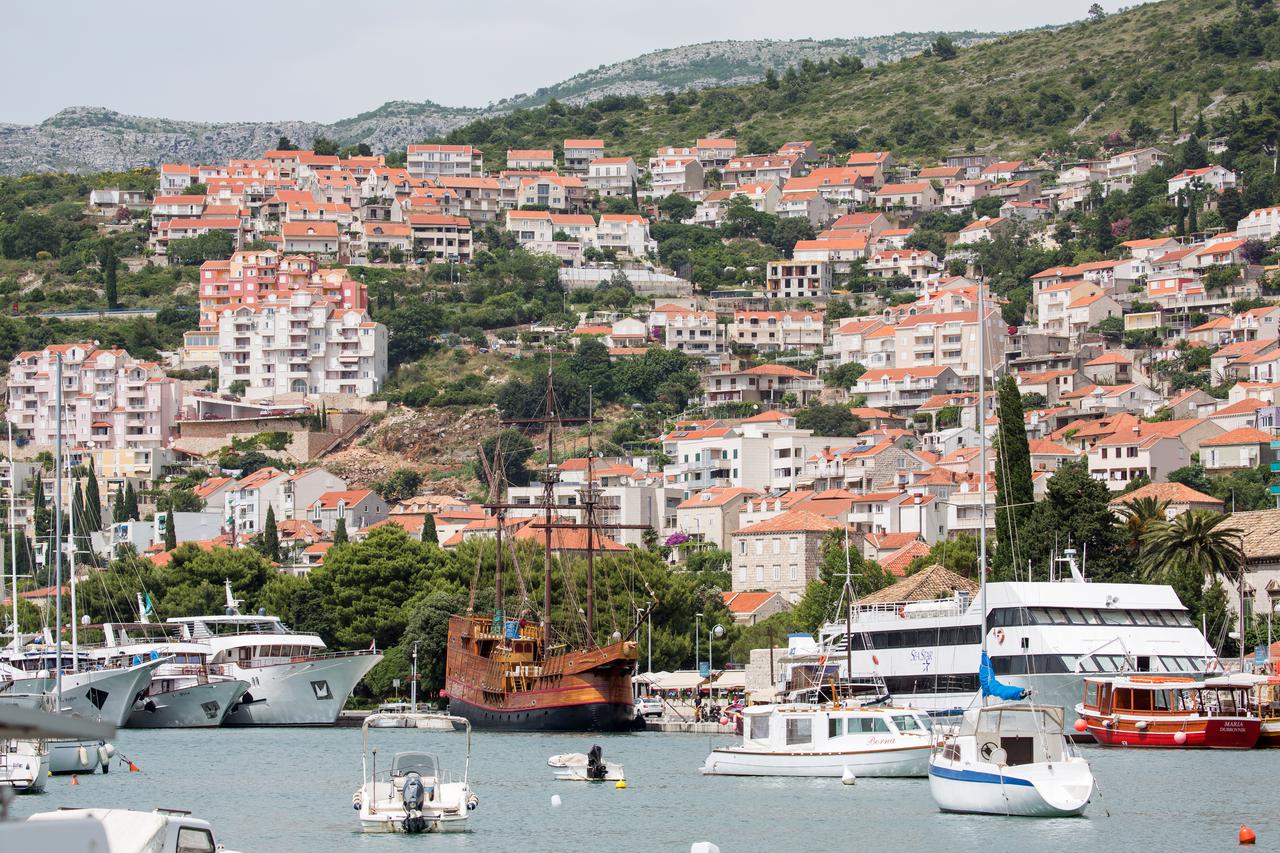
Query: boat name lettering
[924, 657]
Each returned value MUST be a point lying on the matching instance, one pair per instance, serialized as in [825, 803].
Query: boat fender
[620, 784]
[82, 756]
[111, 750]
[848, 777]
[1000, 636]
[104, 757]
[1081, 725]
[1179, 738]
[472, 802]
[555, 801]
[1141, 725]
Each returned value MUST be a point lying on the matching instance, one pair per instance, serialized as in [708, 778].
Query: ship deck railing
[250, 663]
[890, 612]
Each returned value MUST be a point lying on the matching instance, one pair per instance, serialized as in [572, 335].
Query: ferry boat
[826, 740]
[1169, 712]
[1043, 636]
[293, 680]
[185, 691]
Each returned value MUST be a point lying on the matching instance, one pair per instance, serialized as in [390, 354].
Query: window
[777, 572]
[759, 547]
[759, 728]
[742, 547]
[800, 731]
[194, 840]
[793, 545]
[835, 727]
[795, 572]
[759, 574]
[907, 723]
[868, 725]
[777, 546]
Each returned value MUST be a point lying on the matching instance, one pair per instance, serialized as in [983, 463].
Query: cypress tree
[93, 500]
[118, 511]
[1014, 492]
[271, 537]
[429, 529]
[130, 503]
[170, 532]
[41, 514]
[77, 508]
[110, 265]
[340, 532]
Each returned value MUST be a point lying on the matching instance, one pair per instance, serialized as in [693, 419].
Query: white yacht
[24, 764]
[292, 679]
[826, 740]
[185, 692]
[89, 689]
[1044, 636]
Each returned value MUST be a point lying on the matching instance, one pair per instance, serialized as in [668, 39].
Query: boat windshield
[422, 763]
[907, 723]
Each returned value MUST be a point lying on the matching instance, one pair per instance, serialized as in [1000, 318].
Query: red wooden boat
[1168, 712]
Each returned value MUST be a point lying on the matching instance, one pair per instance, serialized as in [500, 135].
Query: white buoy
[704, 847]
[555, 801]
[847, 778]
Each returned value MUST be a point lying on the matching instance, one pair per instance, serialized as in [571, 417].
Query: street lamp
[717, 631]
[697, 636]
[413, 678]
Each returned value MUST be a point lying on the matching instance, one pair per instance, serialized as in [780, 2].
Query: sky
[323, 60]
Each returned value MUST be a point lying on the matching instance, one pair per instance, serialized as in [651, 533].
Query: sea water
[289, 790]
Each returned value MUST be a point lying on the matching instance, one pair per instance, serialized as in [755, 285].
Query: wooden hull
[1212, 733]
[1270, 737]
[578, 691]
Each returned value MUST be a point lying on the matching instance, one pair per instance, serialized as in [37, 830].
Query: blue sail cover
[992, 687]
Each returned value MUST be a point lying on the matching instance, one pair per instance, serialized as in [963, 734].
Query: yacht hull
[65, 756]
[307, 693]
[583, 717]
[198, 706]
[106, 695]
[905, 762]
[1035, 790]
[1213, 733]
[26, 770]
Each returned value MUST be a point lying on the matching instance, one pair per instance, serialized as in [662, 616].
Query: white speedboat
[1010, 759]
[414, 794]
[124, 831]
[24, 765]
[293, 680]
[585, 767]
[825, 740]
[185, 692]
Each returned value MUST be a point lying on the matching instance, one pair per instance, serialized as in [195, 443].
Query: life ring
[1000, 635]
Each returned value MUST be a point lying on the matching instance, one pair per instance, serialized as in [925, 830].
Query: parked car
[648, 706]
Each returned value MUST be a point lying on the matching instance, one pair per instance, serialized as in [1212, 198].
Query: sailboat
[1011, 758]
[515, 673]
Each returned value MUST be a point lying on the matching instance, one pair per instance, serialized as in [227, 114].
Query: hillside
[1021, 93]
[94, 139]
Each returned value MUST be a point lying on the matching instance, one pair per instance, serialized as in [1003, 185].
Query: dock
[689, 727]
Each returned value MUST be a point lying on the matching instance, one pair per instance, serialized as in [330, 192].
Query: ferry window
[1160, 700]
[1058, 616]
[1142, 700]
[1115, 617]
[907, 723]
[869, 725]
[1140, 617]
[760, 728]
[192, 840]
[1121, 698]
[799, 731]
[1091, 617]
[835, 727]
[1143, 663]
[1182, 618]
[1108, 663]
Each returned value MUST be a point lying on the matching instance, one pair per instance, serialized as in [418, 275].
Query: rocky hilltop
[94, 139]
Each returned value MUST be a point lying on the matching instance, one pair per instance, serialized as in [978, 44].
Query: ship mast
[982, 462]
[589, 515]
[549, 478]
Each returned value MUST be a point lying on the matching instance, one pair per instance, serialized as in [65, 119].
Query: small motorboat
[1265, 702]
[395, 715]
[24, 765]
[414, 795]
[591, 767]
[123, 830]
[825, 740]
[1170, 712]
[1009, 759]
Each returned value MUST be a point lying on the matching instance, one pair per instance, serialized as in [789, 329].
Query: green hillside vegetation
[1062, 90]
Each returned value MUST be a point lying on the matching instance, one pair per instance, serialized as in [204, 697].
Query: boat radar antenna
[233, 603]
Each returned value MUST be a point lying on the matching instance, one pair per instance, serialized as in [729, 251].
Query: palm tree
[1138, 516]
[1194, 540]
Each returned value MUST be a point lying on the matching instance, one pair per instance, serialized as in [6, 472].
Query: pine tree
[340, 532]
[429, 529]
[118, 511]
[170, 532]
[1014, 493]
[92, 500]
[131, 503]
[271, 537]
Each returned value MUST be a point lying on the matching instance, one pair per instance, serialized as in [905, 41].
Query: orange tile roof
[791, 521]
[716, 496]
[1243, 435]
[746, 602]
[1175, 493]
[1243, 407]
[897, 562]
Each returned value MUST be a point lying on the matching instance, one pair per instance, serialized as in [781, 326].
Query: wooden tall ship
[518, 672]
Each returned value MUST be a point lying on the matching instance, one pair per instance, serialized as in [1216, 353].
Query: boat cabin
[1013, 734]
[1154, 696]
[801, 728]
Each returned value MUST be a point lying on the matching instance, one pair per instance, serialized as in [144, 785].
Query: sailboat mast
[548, 499]
[498, 515]
[13, 538]
[982, 461]
[57, 525]
[848, 610]
[590, 516]
[75, 628]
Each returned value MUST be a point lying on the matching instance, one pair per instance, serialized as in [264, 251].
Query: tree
[830, 421]
[1231, 206]
[1193, 477]
[92, 500]
[1196, 547]
[283, 144]
[677, 208]
[429, 529]
[516, 448]
[131, 503]
[1138, 517]
[110, 268]
[324, 146]
[340, 532]
[822, 595]
[1096, 13]
[119, 512]
[944, 47]
[42, 516]
[1015, 497]
[171, 532]
[400, 484]
[591, 365]
[845, 375]
[271, 536]
[428, 625]
[1075, 513]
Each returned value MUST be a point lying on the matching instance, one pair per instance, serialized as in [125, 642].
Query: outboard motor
[596, 768]
[413, 795]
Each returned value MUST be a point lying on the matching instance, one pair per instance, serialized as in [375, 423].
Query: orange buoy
[76, 781]
[1081, 725]
[1247, 835]
[133, 768]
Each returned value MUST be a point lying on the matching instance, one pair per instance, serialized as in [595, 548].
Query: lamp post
[717, 631]
[413, 678]
[697, 636]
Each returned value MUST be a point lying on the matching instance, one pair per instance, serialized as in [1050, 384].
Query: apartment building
[248, 276]
[531, 159]
[798, 279]
[300, 343]
[899, 388]
[356, 509]
[675, 175]
[110, 399]
[716, 153]
[612, 176]
[778, 331]
[579, 154]
[690, 331]
[781, 554]
[444, 161]
[440, 236]
[625, 233]
[916, 264]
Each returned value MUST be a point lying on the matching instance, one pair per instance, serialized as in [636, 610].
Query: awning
[731, 679]
[685, 679]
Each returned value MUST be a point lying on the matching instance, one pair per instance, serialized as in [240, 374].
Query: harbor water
[289, 790]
